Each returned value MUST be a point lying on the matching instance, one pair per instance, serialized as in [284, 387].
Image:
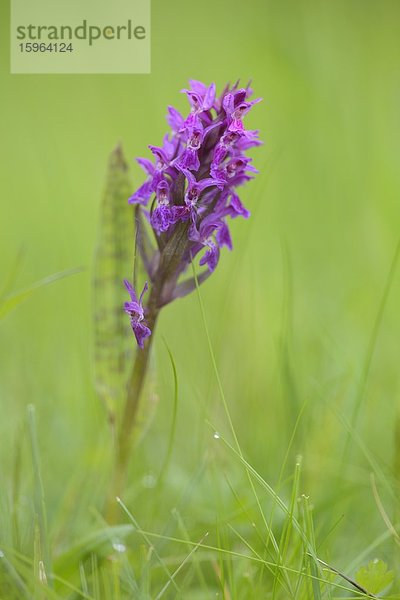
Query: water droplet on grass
[119, 547]
[149, 481]
[216, 435]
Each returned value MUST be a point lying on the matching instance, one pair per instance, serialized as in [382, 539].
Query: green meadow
[267, 455]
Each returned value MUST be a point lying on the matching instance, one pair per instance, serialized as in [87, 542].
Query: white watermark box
[80, 36]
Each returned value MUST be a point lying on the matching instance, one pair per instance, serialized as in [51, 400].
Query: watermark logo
[80, 36]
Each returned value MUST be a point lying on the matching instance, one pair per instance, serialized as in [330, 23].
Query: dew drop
[149, 481]
[216, 435]
[42, 573]
[119, 547]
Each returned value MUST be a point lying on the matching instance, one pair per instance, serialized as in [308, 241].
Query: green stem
[170, 259]
[125, 434]
[135, 387]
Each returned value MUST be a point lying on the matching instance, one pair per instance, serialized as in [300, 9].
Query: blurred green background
[291, 310]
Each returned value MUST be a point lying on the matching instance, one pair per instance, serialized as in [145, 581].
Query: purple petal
[145, 288]
[209, 97]
[170, 146]
[223, 236]
[210, 257]
[191, 122]
[228, 104]
[243, 108]
[180, 213]
[162, 191]
[194, 99]
[161, 218]
[236, 127]
[146, 165]
[210, 181]
[141, 332]
[198, 86]
[195, 138]
[131, 291]
[133, 308]
[175, 119]
[143, 194]
[161, 156]
[219, 154]
[208, 226]
[236, 208]
[189, 160]
[240, 96]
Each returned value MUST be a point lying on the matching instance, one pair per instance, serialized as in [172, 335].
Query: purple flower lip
[134, 309]
[190, 191]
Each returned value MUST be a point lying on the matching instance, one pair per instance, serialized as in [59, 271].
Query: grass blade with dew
[148, 541]
[288, 525]
[270, 535]
[97, 542]
[253, 559]
[13, 578]
[253, 474]
[313, 562]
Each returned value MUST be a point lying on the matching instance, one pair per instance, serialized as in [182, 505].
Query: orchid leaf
[185, 287]
[113, 263]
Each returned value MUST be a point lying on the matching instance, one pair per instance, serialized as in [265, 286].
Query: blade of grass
[96, 542]
[8, 284]
[313, 564]
[175, 573]
[14, 577]
[274, 572]
[270, 535]
[356, 585]
[146, 539]
[254, 474]
[171, 440]
[82, 574]
[383, 512]
[16, 489]
[183, 529]
[362, 385]
[219, 566]
[11, 301]
[368, 455]
[39, 571]
[234, 554]
[95, 577]
[255, 528]
[287, 530]
[39, 497]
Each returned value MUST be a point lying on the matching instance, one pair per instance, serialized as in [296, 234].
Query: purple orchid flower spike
[134, 309]
[190, 193]
[182, 211]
